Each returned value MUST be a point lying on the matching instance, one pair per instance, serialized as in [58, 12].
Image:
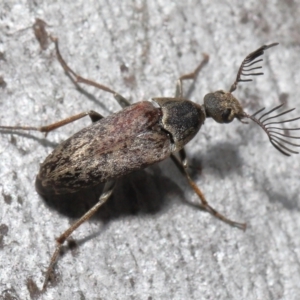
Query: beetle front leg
[193, 76]
[182, 165]
[78, 79]
[106, 193]
[94, 116]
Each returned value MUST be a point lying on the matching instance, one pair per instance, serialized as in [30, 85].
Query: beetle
[143, 134]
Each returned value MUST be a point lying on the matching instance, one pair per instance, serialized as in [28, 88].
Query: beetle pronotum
[142, 134]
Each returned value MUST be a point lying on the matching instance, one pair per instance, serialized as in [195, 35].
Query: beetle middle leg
[182, 165]
[94, 116]
[106, 193]
[192, 76]
[77, 78]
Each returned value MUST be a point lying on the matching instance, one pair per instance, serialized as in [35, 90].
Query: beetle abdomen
[110, 148]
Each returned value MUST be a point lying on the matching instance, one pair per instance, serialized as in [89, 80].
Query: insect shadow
[141, 192]
[221, 158]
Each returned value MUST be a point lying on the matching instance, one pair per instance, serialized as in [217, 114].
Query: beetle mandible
[142, 134]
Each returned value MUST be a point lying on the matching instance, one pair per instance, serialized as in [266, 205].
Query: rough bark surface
[149, 243]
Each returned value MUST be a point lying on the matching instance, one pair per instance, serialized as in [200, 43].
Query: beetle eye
[225, 115]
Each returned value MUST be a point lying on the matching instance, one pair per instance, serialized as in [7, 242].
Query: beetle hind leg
[106, 193]
[78, 79]
[181, 163]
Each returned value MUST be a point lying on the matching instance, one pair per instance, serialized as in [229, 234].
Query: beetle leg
[92, 114]
[193, 76]
[107, 192]
[182, 165]
[78, 79]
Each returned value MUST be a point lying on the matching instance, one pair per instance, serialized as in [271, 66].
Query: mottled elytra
[142, 134]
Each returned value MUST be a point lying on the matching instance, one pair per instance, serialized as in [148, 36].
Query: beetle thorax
[181, 118]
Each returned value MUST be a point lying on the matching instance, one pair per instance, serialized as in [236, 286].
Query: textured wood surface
[149, 243]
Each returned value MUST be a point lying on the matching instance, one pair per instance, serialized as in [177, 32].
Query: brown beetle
[140, 135]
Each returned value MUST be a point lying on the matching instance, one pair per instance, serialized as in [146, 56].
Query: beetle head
[223, 107]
